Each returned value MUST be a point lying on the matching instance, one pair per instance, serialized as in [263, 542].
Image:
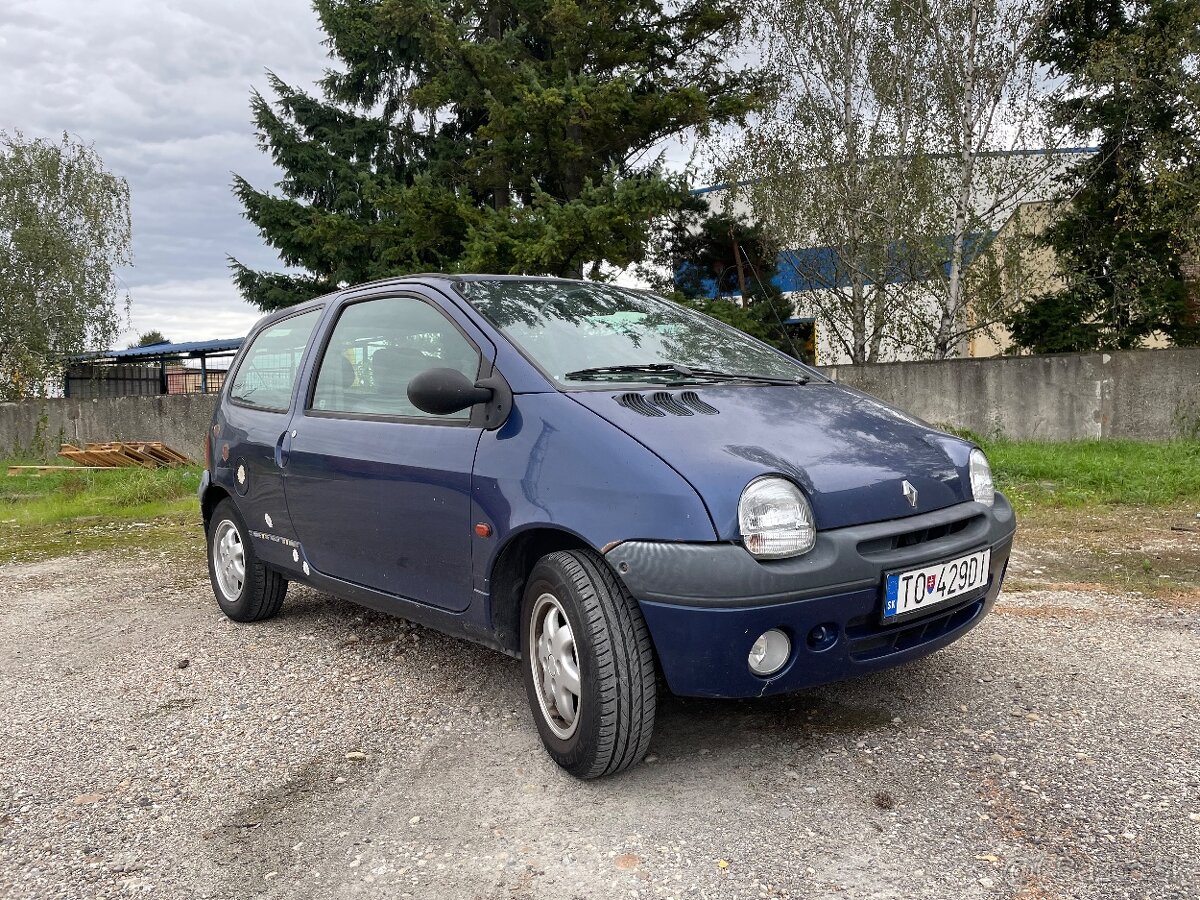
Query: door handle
[283, 448]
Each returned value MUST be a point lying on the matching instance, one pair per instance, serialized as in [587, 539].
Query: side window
[378, 347]
[267, 372]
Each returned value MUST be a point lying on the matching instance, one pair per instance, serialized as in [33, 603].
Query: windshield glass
[569, 328]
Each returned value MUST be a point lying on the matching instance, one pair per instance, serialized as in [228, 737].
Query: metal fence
[192, 381]
[88, 381]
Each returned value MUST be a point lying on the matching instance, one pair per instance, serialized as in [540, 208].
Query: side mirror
[441, 392]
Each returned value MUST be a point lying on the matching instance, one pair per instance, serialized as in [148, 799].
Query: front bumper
[706, 604]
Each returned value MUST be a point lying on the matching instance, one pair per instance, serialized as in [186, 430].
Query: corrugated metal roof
[197, 348]
[823, 268]
[1040, 151]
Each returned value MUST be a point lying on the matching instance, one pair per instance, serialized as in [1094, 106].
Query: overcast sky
[162, 88]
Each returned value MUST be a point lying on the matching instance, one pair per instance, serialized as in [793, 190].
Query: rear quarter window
[267, 373]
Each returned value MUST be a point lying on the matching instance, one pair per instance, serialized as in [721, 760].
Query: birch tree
[986, 95]
[892, 151]
[836, 167]
[64, 230]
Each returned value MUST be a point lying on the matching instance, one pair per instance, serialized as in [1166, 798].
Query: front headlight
[775, 519]
[982, 488]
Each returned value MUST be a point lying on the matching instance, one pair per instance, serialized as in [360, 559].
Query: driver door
[380, 492]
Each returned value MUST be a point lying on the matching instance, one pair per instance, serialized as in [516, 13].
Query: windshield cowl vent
[663, 403]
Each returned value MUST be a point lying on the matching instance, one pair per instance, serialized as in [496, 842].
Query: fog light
[770, 652]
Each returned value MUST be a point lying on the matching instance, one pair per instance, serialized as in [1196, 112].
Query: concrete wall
[37, 427]
[1146, 394]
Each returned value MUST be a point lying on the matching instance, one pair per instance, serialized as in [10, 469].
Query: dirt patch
[1044, 612]
[181, 533]
[1154, 551]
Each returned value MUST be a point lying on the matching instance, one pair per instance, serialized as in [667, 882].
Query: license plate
[916, 590]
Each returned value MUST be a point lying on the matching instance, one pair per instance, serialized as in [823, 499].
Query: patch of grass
[1090, 473]
[114, 495]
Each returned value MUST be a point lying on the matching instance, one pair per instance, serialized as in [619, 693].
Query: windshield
[587, 333]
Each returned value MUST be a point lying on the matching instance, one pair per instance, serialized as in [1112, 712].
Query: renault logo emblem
[910, 493]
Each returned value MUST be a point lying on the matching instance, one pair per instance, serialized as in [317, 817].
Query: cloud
[198, 309]
[162, 88]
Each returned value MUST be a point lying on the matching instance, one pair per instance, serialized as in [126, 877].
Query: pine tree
[149, 339]
[703, 256]
[1131, 214]
[485, 136]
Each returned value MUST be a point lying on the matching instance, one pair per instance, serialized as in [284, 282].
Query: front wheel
[247, 591]
[588, 665]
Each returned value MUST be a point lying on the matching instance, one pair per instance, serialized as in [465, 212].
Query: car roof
[418, 277]
[464, 277]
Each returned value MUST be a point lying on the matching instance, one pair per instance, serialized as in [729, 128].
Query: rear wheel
[246, 590]
[588, 665]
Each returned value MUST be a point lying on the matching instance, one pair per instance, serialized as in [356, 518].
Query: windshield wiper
[739, 376]
[677, 369]
[632, 369]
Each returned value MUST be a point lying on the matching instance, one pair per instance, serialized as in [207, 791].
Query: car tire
[600, 670]
[246, 590]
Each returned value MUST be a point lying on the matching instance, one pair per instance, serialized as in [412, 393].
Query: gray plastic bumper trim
[726, 575]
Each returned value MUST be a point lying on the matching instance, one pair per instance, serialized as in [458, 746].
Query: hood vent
[669, 404]
[692, 399]
[640, 405]
[663, 403]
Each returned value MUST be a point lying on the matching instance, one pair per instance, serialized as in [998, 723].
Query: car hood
[850, 452]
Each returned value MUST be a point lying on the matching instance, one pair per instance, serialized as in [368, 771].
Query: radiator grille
[916, 536]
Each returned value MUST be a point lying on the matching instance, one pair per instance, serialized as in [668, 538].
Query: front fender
[556, 464]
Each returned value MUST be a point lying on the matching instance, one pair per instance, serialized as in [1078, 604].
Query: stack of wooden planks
[110, 455]
[124, 454]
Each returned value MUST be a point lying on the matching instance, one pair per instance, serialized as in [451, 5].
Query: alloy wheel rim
[554, 662]
[229, 560]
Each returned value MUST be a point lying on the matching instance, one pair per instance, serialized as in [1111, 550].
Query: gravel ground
[153, 748]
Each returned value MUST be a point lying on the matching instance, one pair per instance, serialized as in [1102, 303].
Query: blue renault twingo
[594, 480]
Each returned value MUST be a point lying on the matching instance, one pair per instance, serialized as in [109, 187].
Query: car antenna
[782, 326]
